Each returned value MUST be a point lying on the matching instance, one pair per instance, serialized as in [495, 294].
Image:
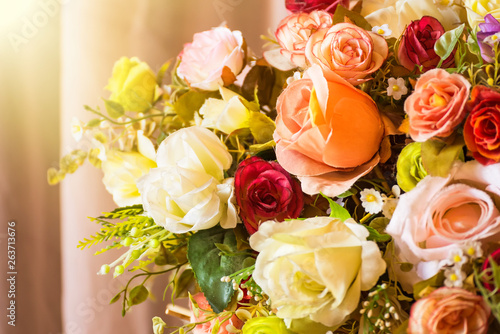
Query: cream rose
[399, 13]
[294, 31]
[441, 214]
[213, 59]
[121, 172]
[347, 50]
[315, 269]
[187, 192]
[226, 115]
[478, 9]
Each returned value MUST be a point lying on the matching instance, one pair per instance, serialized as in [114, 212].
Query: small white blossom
[382, 30]
[296, 76]
[397, 88]
[454, 277]
[371, 200]
[473, 249]
[389, 206]
[493, 39]
[457, 257]
[77, 129]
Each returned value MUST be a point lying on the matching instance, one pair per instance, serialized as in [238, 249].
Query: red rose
[417, 45]
[265, 191]
[482, 127]
[307, 6]
[489, 280]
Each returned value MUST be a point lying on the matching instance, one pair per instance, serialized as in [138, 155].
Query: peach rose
[294, 31]
[206, 328]
[348, 50]
[449, 311]
[213, 59]
[441, 214]
[437, 106]
[328, 133]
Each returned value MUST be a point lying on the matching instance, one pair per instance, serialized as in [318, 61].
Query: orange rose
[294, 31]
[328, 133]
[348, 50]
[437, 106]
[451, 311]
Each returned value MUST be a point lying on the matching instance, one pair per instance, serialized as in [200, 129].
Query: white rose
[315, 269]
[226, 115]
[399, 13]
[187, 192]
[478, 9]
[121, 172]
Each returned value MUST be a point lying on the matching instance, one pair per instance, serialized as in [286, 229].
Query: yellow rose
[121, 172]
[478, 9]
[399, 13]
[133, 84]
[315, 269]
[226, 115]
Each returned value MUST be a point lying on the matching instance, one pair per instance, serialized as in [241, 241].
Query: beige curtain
[45, 79]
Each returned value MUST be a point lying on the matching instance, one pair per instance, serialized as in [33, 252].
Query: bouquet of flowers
[347, 180]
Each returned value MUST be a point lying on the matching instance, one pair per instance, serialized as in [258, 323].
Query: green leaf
[403, 328]
[348, 193]
[93, 122]
[379, 224]
[358, 19]
[438, 157]
[225, 249]
[261, 127]
[183, 283]
[191, 102]
[376, 235]
[209, 267]
[114, 109]
[138, 295]
[257, 148]
[158, 325]
[261, 78]
[115, 298]
[447, 42]
[162, 71]
[337, 211]
[433, 282]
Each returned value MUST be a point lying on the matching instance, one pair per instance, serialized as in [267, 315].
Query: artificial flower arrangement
[345, 181]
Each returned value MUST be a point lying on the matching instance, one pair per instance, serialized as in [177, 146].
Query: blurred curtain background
[56, 56]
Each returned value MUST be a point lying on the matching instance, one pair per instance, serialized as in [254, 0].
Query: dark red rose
[417, 45]
[482, 126]
[265, 191]
[307, 6]
[489, 279]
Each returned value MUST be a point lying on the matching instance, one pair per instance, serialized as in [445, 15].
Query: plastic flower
[397, 88]
[457, 257]
[77, 129]
[265, 325]
[371, 200]
[382, 30]
[390, 203]
[477, 10]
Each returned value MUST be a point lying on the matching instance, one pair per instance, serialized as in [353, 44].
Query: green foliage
[114, 109]
[422, 288]
[491, 276]
[209, 265]
[341, 13]
[376, 235]
[447, 42]
[337, 211]
[261, 127]
[189, 103]
[138, 295]
[438, 156]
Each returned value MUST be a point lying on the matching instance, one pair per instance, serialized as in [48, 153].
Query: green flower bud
[133, 84]
[153, 243]
[265, 325]
[119, 270]
[410, 168]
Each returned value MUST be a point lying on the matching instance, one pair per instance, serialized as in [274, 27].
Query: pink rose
[348, 50]
[213, 59]
[449, 311]
[441, 214]
[437, 106]
[294, 31]
[328, 133]
[206, 328]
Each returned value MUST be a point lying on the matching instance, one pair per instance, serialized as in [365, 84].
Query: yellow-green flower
[265, 325]
[133, 84]
[478, 9]
[410, 167]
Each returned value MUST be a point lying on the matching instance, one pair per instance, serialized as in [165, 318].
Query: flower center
[471, 251]
[437, 101]
[371, 198]
[453, 277]
[457, 258]
[494, 37]
[395, 88]
[380, 31]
